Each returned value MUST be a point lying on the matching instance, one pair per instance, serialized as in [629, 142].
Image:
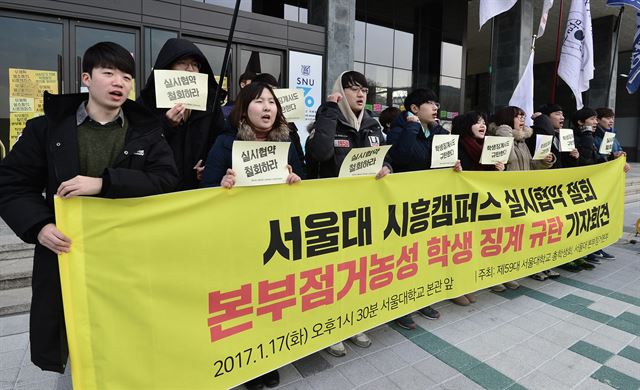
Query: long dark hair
[245, 97]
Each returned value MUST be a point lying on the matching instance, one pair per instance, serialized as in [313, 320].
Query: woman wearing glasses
[509, 122]
[189, 133]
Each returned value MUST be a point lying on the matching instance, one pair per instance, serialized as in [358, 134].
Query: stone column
[339, 19]
[511, 39]
[603, 43]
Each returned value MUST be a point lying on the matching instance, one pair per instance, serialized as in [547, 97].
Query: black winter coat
[191, 140]
[586, 147]
[411, 150]
[46, 155]
[542, 125]
[333, 137]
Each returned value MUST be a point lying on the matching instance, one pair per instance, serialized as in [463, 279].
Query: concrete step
[12, 251]
[16, 273]
[632, 198]
[15, 301]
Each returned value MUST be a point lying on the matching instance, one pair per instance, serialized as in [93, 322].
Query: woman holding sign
[256, 116]
[509, 122]
[190, 133]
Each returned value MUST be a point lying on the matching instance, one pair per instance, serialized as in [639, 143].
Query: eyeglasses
[355, 89]
[435, 104]
[185, 64]
[521, 116]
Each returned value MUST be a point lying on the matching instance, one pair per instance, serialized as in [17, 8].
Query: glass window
[154, 39]
[89, 36]
[403, 50]
[215, 56]
[451, 60]
[358, 67]
[296, 14]
[401, 78]
[379, 45]
[359, 41]
[245, 5]
[450, 93]
[260, 62]
[381, 75]
[33, 45]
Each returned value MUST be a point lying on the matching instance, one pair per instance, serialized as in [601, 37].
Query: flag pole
[555, 70]
[614, 54]
[225, 62]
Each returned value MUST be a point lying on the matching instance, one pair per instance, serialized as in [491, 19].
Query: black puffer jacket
[191, 140]
[46, 155]
[333, 137]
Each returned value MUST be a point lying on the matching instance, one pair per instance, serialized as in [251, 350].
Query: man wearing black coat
[100, 144]
[190, 133]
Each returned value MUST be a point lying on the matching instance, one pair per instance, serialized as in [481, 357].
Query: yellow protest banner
[209, 288]
[26, 89]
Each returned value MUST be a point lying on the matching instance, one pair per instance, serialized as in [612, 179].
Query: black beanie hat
[549, 108]
[583, 114]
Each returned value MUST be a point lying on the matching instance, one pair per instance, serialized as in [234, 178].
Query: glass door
[24, 76]
[85, 35]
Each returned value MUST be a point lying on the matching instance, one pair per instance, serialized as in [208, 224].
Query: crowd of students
[101, 144]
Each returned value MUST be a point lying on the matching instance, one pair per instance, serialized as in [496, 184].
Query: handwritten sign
[543, 146]
[606, 146]
[496, 149]
[260, 163]
[26, 90]
[292, 102]
[364, 161]
[567, 143]
[176, 86]
[444, 150]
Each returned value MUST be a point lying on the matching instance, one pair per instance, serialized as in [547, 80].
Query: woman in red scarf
[471, 127]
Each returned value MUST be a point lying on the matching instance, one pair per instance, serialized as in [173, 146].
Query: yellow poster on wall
[209, 288]
[26, 89]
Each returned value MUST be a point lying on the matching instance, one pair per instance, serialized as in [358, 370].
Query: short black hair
[267, 79]
[506, 115]
[549, 108]
[247, 76]
[245, 97]
[352, 77]
[605, 112]
[419, 97]
[388, 115]
[582, 115]
[108, 55]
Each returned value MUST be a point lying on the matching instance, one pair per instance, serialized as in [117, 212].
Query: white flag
[576, 58]
[545, 15]
[523, 95]
[491, 8]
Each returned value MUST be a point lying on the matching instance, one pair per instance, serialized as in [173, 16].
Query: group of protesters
[101, 144]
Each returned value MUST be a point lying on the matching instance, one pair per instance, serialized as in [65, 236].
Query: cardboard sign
[444, 150]
[292, 102]
[543, 146]
[259, 163]
[496, 149]
[176, 86]
[606, 146]
[364, 161]
[567, 143]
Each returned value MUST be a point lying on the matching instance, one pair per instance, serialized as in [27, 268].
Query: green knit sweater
[99, 145]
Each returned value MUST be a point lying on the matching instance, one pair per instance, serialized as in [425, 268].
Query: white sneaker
[361, 340]
[337, 349]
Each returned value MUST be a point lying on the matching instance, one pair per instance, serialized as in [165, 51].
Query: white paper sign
[567, 142]
[259, 163]
[543, 146]
[364, 161]
[292, 102]
[606, 146]
[496, 149]
[176, 86]
[444, 150]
